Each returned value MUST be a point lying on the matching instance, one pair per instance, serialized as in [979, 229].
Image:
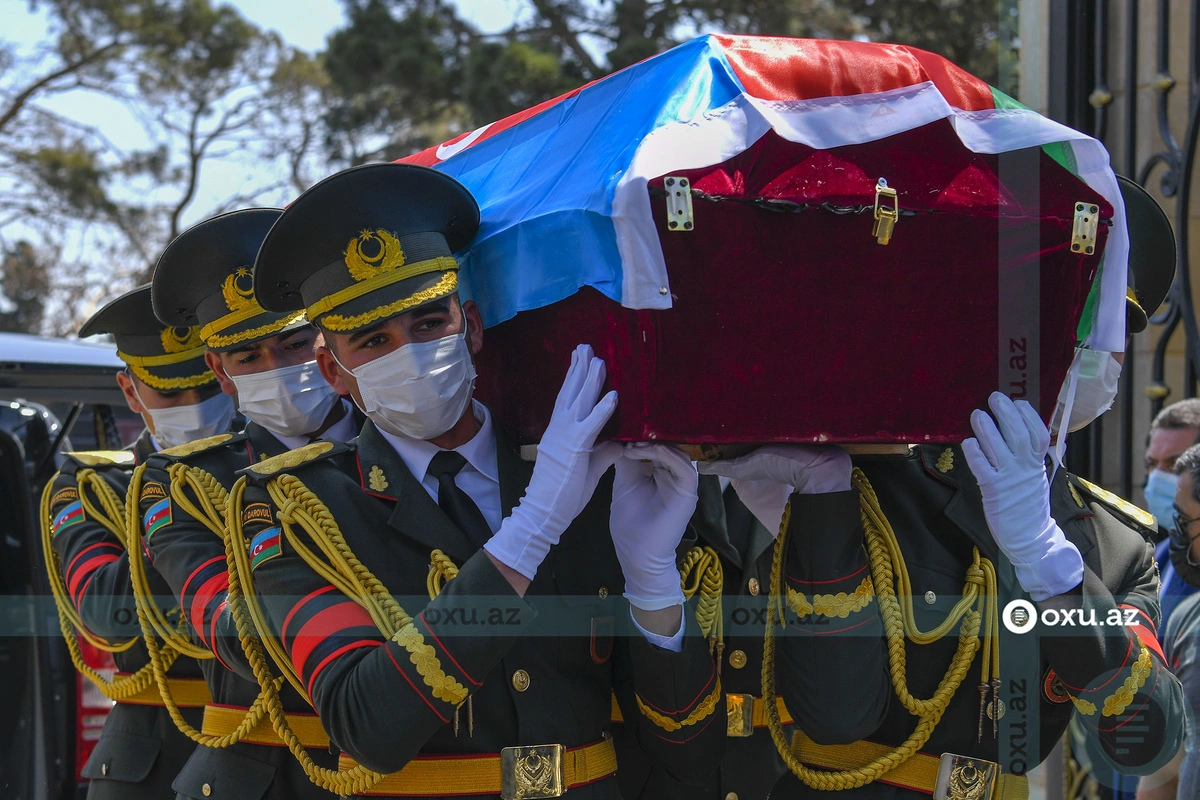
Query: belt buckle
[739, 715]
[965, 778]
[532, 772]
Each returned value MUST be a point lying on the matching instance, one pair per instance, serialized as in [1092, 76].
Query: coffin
[781, 315]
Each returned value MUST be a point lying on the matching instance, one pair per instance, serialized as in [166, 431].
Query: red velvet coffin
[792, 324]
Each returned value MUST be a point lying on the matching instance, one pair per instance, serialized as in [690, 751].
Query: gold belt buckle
[533, 772]
[965, 778]
[739, 715]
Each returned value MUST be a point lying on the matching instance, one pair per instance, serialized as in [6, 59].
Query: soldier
[266, 359]
[502, 683]
[730, 545]
[959, 536]
[167, 382]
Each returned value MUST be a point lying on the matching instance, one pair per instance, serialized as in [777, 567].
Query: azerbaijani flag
[70, 515]
[157, 516]
[562, 186]
[264, 546]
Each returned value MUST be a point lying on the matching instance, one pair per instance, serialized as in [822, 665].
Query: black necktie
[457, 504]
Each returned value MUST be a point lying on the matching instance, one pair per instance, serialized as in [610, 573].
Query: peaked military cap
[205, 278]
[366, 244]
[164, 358]
[1151, 254]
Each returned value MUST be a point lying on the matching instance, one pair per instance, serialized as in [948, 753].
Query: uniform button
[520, 680]
[104, 769]
[753, 587]
[206, 790]
[930, 597]
[737, 659]
[603, 592]
[731, 796]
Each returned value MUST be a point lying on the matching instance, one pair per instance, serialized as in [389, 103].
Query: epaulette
[182, 451]
[102, 458]
[1137, 518]
[283, 462]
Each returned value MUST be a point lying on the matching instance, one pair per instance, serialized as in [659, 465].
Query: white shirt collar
[480, 451]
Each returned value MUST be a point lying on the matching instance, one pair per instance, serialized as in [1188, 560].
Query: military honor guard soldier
[955, 534]
[496, 674]
[204, 278]
[168, 383]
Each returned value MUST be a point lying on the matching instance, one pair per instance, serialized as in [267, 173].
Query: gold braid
[702, 565]
[111, 516]
[211, 496]
[251, 619]
[887, 567]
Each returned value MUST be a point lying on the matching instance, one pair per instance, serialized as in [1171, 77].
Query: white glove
[565, 473]
[1010, 465]
[765, 478]
[649, 515]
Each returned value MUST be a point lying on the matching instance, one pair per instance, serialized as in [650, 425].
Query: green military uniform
[1115, 676]
[541, 669]
[479, 690]
[204, 279]
[191, 560]
[751, 764]
[140, 750]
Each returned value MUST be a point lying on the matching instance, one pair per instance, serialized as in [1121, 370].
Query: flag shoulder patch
[263, 547]
[157, 517]
[72, 514]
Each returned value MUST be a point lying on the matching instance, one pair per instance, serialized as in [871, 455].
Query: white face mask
[181, 424]
[1096, 387]
[420, 390]
[289, 401]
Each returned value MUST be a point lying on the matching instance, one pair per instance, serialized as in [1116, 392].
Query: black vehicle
[50, 717]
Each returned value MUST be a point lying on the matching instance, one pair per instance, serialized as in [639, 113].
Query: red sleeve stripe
[212, 629]
[105, 545]
[298, 606]
[346, 648]
[207, 592]
[186, 584]
[420, 694]
[86, 585]
[324, 624]
[1149, 623]
[1147, 637]
[85, 571]
[453, 661]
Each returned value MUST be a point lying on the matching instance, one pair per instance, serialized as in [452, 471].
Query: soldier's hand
[566, 471]
[765, 478]
[1009, 462]
[654, 497]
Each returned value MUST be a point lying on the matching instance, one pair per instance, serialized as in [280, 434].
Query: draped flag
[563, 186]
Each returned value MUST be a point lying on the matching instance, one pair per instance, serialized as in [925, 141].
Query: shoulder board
[295, 458]
[1141, 519]
[180, 451]
[103, 458]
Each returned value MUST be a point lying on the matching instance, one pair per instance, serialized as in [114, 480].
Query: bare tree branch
[22, 97]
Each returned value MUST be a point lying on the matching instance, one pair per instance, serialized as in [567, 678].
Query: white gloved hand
[1010, 465]
[566, 471]
[765, 478]
[650, 512]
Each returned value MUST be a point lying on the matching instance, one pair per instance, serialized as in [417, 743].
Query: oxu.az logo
[1022, 616]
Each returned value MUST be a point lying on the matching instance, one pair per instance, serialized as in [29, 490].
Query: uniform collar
[480, 451]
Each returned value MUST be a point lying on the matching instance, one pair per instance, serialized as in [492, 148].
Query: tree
[204, 84]
[25, 283]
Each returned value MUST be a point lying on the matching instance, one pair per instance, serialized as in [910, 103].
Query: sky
[301, 23]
